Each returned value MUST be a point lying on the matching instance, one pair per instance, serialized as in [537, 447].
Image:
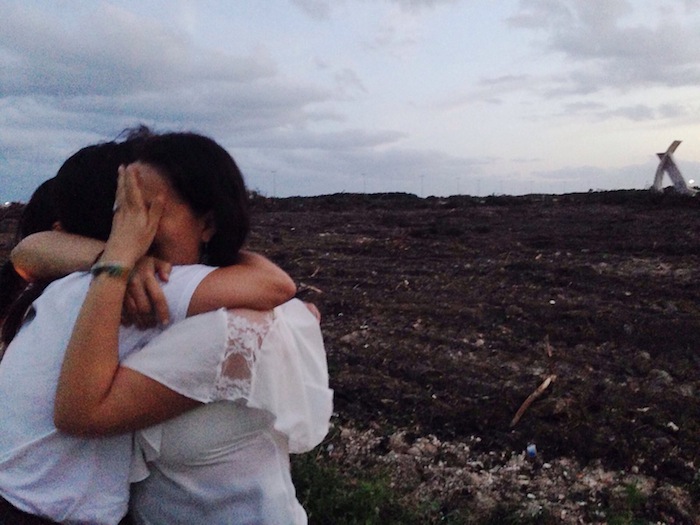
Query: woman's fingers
[119, 196]
[138, 295]
[157, 300]
[133, 193]
[162, 269]
[314, 310]
[155, 211]
[144, 303]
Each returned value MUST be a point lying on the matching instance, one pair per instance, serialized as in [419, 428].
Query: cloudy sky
[432, 97]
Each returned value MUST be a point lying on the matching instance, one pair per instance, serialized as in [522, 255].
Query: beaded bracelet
[112, 269]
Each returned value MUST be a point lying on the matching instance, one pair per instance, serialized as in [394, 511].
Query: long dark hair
[80, 197]
[39, 214]
[207, 178]
[87, 182]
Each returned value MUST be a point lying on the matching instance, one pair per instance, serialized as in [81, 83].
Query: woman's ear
[209, 226]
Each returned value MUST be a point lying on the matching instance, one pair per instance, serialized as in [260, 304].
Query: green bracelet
[112, 269]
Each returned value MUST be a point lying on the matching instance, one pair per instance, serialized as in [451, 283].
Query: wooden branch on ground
[531, 398]
[303, 287]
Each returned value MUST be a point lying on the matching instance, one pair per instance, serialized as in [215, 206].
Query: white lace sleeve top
[264, 381]
[274, 361]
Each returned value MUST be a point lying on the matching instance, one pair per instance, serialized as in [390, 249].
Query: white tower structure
[666, 164]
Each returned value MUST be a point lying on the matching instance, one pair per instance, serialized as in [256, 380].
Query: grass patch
[505, 515]
[346, 498]
[628, 509]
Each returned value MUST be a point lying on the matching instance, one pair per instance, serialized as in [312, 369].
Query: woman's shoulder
[67, 290]
[187, 272]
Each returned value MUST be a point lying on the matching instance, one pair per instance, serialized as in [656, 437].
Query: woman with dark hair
[38, 215]
[224, 199]
[45, 474]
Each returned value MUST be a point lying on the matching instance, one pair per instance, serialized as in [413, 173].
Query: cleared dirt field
[441, 317]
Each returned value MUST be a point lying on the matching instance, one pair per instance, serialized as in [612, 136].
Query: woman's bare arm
[226, 287]
[95, 395]
[255, 282]
[52, 254]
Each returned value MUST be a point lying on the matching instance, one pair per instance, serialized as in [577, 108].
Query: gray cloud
[419, 4]
[219, 105]
[636, 112]
[349, 82]
[62, 88]
[113, 53]
[605, 47]
[491, 90]
[332, 170]
[584, 107]
[318, 9]
[321, 9]
[305, 140]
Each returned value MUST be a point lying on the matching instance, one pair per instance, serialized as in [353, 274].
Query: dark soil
[441, 316]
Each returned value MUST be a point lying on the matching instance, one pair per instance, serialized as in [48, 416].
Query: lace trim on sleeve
[246, 330]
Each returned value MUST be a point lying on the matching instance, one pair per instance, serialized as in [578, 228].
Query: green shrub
[628, 510]
[346, 498]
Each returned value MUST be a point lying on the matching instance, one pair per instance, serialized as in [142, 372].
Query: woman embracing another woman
[222, 397]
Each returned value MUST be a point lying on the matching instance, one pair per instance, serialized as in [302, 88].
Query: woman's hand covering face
[135, 221]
